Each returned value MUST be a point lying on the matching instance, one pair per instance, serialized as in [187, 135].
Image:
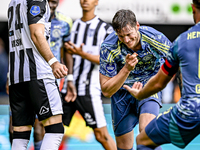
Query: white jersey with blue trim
[25, 61]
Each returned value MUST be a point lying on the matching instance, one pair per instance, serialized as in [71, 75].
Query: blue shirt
[185, 53]
[60, 32]
[154, 44]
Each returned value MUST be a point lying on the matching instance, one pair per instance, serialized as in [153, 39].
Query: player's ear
[193, 8]
[137, 25]
[97, 2]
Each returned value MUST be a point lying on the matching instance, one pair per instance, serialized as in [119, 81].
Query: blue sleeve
[107, 67]
[172, 54]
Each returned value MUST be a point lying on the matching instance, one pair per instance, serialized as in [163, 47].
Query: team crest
[91, 32]
[35, 10]
[110, 67]
[56, 33]
[147, 57]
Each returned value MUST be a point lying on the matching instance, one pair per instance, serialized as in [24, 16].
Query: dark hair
[122, 18]
[196, 3]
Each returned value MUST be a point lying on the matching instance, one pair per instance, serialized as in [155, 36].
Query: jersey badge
[91, 32]
[35, 10]
[110, 67]
[56, 33]
[147, 57]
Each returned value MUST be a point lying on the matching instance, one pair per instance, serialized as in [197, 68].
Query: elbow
[159, 87]
[36, 35]
[33, 38]
[106, 94]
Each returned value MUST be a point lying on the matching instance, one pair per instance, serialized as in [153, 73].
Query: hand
[136, 88]
[72, 49]
[59, 70]
[131, 61]
[71, 92]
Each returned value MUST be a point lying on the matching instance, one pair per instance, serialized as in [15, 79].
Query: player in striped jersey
[180, 124]
[120, 52]
[87, 35]
[32, 72]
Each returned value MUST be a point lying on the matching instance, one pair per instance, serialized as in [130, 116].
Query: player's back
[188, 53]
[26, 63]
[185, 53]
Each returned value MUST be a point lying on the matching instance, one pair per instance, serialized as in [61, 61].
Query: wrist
[70, 77]
[83, 54]
[52, 60]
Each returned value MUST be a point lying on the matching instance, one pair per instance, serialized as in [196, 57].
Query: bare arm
[68, 60]
[72, 49]
[37, 35]
[71, 89]
[154, 85]
[109, 86]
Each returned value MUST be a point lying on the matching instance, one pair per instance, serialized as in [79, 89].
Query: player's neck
[53, 16]
[87, 16]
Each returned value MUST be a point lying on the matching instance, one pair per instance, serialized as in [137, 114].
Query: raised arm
[73, 49]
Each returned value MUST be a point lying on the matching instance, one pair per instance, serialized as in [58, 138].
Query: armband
[52, 60]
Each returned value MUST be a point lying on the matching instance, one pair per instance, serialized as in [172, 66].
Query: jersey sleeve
[36, 11]
[171, 65]
[156, 39]
[108, 66]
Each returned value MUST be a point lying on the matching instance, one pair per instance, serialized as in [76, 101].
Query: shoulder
[153, 35]
[192, 33]
[62, 17]
[111, 39]
[150, 32]
[107, 26]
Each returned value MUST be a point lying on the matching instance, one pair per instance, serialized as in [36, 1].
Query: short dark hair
[196, 3]
[122, 18]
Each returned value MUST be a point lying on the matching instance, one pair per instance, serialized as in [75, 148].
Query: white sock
[51, 141]
[19, 144]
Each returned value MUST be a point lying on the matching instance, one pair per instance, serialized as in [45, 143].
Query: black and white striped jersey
[91, 33]
[25, 61]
